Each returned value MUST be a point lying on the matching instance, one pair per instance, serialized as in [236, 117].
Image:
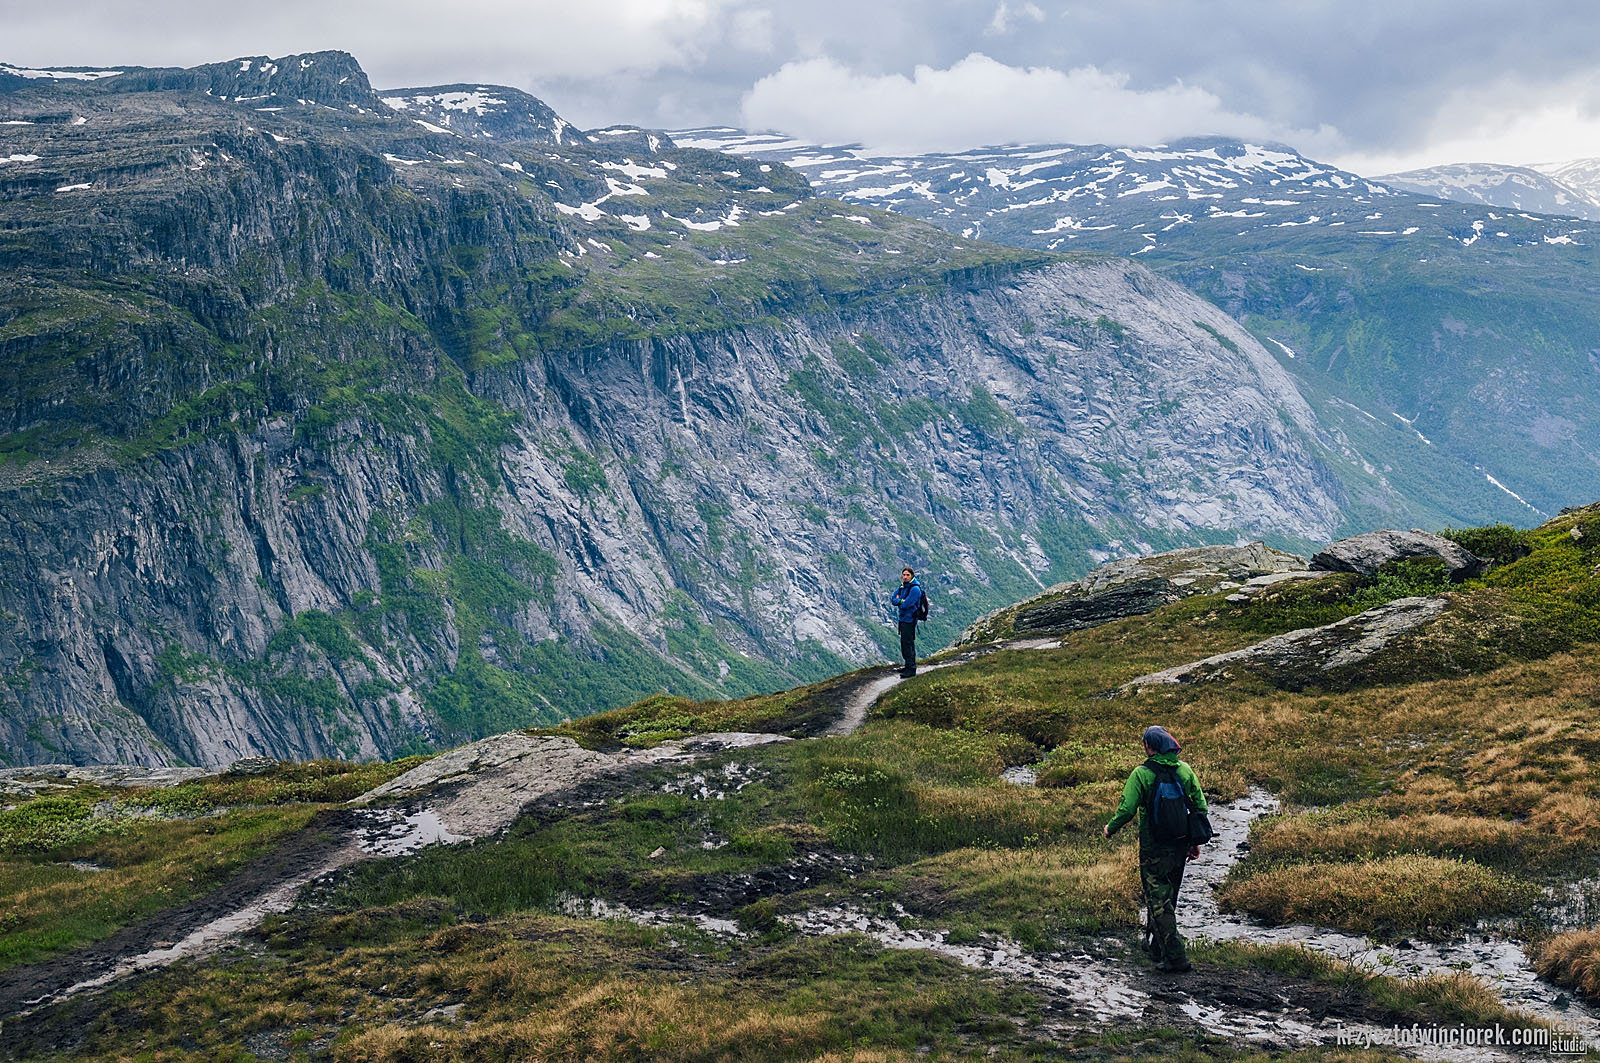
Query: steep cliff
[327, 433]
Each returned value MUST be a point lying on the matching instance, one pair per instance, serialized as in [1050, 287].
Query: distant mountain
[1456, 345]
[1516, 187]
[1054, 196]
[342, 422]
[485, 111]
[1581, 175]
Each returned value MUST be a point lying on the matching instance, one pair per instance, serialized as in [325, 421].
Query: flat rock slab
[1365, 554]
[1301, 658]
[41, 778]
[479, 789]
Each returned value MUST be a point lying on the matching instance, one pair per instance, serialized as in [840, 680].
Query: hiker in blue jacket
[1161, 858]
[907, 598]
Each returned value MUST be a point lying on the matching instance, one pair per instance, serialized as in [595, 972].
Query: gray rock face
[559, 491]
[1133, 586]
[1311, 655]
[1365, 554]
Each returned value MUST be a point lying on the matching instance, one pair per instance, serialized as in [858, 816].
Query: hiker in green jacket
[1160, 862]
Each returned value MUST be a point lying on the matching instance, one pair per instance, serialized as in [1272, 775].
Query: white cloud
[752, 31]
[1500, 122]
[1006, 16]
[979, 101]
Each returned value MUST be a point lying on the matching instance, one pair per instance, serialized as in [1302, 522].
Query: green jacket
[1141, 784]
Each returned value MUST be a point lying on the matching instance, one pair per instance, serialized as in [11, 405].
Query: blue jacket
[907, 598]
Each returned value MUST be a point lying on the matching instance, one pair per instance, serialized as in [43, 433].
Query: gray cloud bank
[1350, 77]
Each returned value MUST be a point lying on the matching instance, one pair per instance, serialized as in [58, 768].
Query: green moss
[1226, 343]
[584, 474]
[1112, 328]
[983, 411]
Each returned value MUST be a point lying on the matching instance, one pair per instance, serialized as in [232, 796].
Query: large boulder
[1132, 586]
[1311, 656]
[1365, 554]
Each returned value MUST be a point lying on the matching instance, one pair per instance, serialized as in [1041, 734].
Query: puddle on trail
[1096, 987]
[1499, 962]
[714, 784]
[595, 908]
[1094, 984]
[395, 832]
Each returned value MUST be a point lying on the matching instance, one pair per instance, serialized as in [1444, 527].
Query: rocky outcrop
[1135, 585]
[479, 789]
[1365, 554]
[1310, 656]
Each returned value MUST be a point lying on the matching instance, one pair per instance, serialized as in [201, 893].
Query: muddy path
[479, 790]
[465, 794]
[317, 845]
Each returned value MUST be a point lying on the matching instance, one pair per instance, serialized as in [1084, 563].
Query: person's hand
[1106, 830]
[1194, 852]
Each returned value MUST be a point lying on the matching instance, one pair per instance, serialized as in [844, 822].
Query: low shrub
[1500, 543]
[48, 823]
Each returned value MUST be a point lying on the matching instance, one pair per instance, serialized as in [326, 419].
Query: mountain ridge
[1355, 287]
[421, 434]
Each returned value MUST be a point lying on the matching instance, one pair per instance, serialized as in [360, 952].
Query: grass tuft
[1388, 897]
[1573, 960]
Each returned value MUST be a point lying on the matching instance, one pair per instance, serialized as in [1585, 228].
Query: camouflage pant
[1161, 874]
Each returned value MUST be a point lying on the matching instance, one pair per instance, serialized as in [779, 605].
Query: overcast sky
[1375, 85]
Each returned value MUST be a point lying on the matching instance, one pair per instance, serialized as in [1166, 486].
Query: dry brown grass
[1573, 960]
[1368, 834]
[1407, 894]
[1064, 886]
[612, 1019]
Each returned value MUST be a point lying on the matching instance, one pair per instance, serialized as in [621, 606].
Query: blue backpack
[1170, 811]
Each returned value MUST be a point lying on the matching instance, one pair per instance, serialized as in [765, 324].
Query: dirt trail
[1099, 982]
[1499, 961]
[468, 793]
[874, 686]
[465, 794]
[253, 889]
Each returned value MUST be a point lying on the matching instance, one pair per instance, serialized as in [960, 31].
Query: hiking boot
[1175, 966]
[908, 674]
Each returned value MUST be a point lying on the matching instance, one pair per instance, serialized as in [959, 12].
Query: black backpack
[922, 606]
[1173, 820]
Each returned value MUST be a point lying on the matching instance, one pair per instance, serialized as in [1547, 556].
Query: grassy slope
[142, 851]
[1471, 779]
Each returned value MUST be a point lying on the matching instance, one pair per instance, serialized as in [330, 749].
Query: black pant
[908, 644]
